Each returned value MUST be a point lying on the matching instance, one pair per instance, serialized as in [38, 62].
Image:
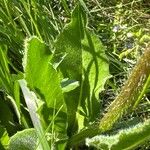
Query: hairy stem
[129, 93]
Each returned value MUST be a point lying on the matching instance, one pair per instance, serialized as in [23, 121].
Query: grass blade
[31, 100]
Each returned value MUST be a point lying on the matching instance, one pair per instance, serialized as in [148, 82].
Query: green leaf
[85, 61]
[95, 62]
[40, 74]
[24, 140]
[7, 80]
[125, 139]
[96, 72]
[5, 75]
[69, 43]
[32, 102]
[84, 6]
[69, 85]
[4, 138]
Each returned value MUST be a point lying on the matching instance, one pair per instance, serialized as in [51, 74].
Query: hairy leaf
[85, 61]
[23, 140]
[39, 73]
[69, 44]
[125, 139]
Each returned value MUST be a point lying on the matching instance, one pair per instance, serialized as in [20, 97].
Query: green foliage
[44, 81]
[40, 74]
[9, 82]
[64, 77]
[125, 139]
[24, 140]
[4, 72]
[31, 102]
[96, 72]
[85, 61]
[4, 140]
[71, 66]
[130, 92]
[69, 85]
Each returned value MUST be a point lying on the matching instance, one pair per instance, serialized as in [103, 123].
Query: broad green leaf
[125, 139]
[4, 138]
[85, 61]
[24, 140]
[40, 74]
[96, 72]
[93, 130]
[69, 43]
[130, 94]
[95, 62]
